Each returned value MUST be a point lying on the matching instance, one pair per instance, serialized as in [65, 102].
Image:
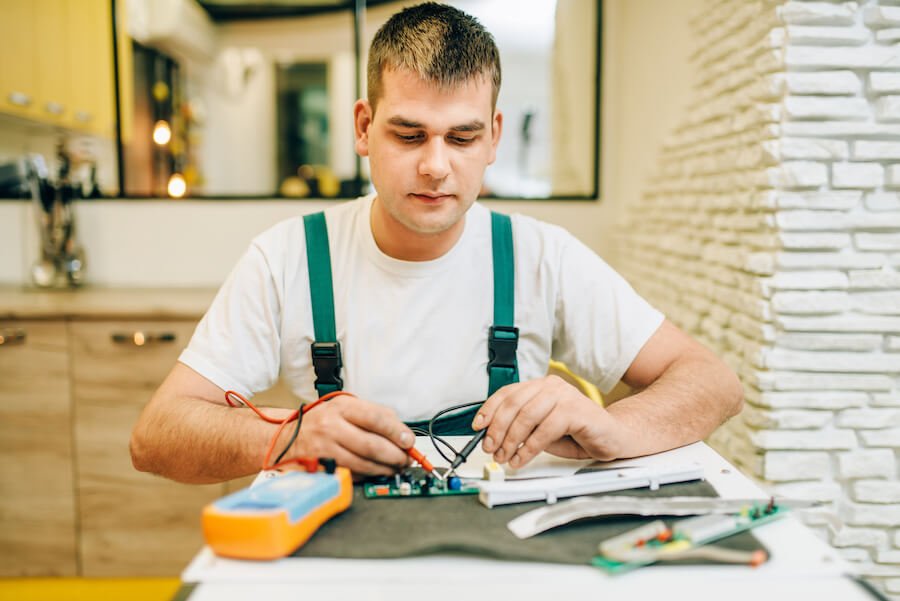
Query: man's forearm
[198, 442]
[692, 398]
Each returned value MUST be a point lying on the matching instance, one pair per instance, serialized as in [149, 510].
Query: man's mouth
[431, 197]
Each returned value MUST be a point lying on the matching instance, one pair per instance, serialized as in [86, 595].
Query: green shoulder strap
[503, 337]
[326, 350]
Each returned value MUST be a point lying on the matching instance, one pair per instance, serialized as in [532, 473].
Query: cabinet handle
[140, 338]
[54, 108]
[9, 337]
[83, 116]
[19, 98]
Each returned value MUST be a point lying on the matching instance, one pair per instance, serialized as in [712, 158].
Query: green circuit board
[729, 524]
[414, 483]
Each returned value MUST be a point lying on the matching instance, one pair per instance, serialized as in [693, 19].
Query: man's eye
[459, 140]
[409, 138]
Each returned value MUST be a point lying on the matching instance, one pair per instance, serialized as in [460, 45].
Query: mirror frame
[358, 7]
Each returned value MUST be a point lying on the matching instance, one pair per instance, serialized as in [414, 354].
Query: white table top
[801, 566]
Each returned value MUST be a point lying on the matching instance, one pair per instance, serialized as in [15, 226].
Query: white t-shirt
[414, 334]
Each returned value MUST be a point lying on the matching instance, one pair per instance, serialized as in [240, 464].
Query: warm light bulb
[177, 186]
[162, 133]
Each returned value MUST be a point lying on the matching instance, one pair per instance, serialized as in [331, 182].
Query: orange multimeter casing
[278, 516]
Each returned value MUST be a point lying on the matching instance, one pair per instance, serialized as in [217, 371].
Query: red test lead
[423, 461]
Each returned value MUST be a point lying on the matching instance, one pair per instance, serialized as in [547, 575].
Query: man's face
[428, 149]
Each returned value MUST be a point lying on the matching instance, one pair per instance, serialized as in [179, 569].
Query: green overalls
[503, 337]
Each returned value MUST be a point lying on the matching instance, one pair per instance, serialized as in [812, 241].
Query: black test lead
[463, 455]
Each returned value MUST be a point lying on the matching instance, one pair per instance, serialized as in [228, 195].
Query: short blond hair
[440, 43]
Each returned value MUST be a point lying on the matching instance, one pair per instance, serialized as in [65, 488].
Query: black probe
[463, 455]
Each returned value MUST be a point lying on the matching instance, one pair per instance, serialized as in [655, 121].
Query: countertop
[801, 565]
[94, 302]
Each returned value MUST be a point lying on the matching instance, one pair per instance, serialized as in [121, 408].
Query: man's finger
[529, 416]
[379, 420]
[373, 447]
[546, 433]
[486, 412]
[361, 465]
[505, 414]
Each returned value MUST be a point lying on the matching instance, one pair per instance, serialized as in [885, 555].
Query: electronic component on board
[706, 527]
[633, 538]
[416, 482]
[688, 538]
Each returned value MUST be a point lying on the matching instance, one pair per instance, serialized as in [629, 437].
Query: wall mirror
[243, 99]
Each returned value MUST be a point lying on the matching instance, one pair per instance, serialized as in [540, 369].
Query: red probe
[423, 461]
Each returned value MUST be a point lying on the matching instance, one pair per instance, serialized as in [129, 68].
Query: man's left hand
[547, 414]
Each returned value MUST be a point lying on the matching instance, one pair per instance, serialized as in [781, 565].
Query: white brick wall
[771, 231]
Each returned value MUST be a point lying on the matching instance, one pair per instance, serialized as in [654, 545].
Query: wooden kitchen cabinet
[37, 491]
[71, 503]
[132, 524]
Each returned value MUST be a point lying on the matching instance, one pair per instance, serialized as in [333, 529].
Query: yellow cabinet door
[126, 73]
[132, 523]
[18, 49]
[90, 66]
[52, 95]
[37, 492]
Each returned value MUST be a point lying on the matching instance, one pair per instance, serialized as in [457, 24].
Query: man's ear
[362, 120]
[496, 130]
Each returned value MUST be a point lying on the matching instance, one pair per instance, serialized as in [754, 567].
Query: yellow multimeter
[278, 516]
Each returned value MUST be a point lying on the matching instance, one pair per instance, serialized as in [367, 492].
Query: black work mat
[461, 525]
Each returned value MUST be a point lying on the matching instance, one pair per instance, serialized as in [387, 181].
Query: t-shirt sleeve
[601, 322]
[236, 344]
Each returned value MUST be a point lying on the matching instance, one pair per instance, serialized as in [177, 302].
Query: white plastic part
[493, 472]
[539, 489]
[546, 518]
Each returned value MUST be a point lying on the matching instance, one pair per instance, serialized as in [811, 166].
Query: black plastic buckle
[326, 358]
[502, 347]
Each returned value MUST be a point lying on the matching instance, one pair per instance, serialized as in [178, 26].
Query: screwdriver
[423, 461]
[463, 455]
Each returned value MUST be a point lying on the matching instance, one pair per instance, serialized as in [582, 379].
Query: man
[414, 302]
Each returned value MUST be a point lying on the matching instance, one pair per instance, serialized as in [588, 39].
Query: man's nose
[435, 161]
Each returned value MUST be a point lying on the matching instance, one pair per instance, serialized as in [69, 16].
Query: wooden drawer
[37, 503]
[132, 524]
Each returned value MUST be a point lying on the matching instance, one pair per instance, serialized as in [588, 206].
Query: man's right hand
[360, 435]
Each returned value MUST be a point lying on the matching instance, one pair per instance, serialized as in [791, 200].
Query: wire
[293, 436]
[232, 396]
[433, 437]
[235, 399]
[710, 552]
